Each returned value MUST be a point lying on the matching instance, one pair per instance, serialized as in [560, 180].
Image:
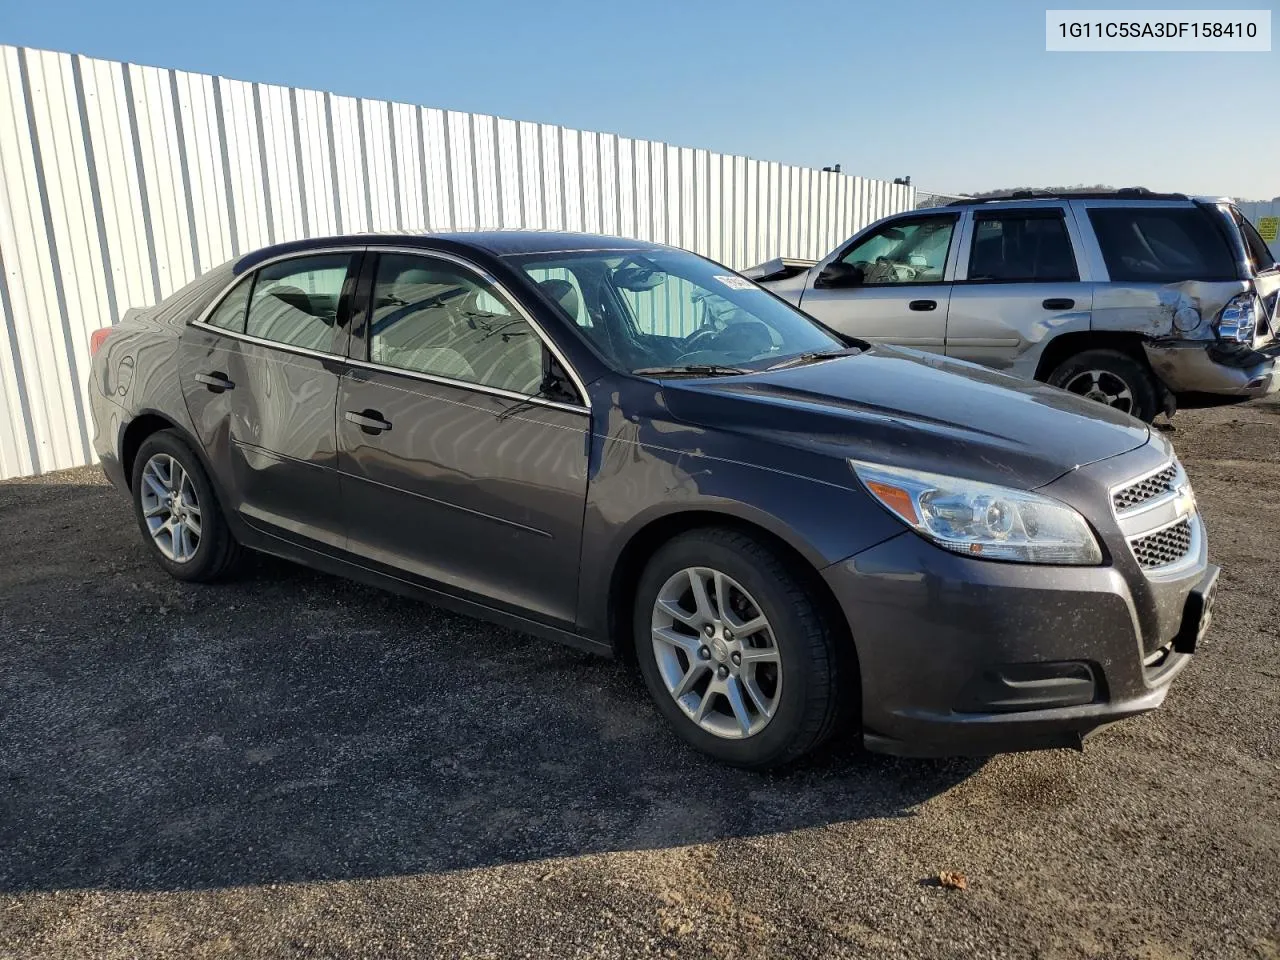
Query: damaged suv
[1130, 297]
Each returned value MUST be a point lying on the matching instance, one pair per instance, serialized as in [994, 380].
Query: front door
[454, 469]
[260, 375]
[893, 284]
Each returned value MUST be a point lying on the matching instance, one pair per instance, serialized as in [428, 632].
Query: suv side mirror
[840, 274]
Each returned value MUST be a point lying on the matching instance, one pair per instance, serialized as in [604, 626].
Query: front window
[667, 308]
[911, 251]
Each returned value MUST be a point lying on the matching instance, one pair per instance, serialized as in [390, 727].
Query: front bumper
[1194, 366]
[939, 636]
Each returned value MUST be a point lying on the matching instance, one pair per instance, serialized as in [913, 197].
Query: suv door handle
[923, 305]
[217, 381]
[370, 421]
[1058, 303]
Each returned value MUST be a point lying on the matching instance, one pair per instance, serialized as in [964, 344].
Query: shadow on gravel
[290, 726]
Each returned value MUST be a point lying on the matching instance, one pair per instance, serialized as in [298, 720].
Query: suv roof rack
[1124, 193]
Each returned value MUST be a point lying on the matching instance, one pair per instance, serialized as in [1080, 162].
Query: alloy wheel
[716, 653]
[170, 507]
[1104, 387]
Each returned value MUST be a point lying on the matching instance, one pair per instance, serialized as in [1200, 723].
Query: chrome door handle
[217, 382]
[370, 421]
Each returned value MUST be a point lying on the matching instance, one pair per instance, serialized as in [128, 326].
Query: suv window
[296, 301]
[1259, 253]
[1021, 245]
[912, 251]
[1161, 244]
[435, 317]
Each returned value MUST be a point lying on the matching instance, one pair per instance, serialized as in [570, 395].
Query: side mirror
[839, 274]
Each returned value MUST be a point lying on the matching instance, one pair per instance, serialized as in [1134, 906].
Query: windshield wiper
[812, 357]
[692, 370]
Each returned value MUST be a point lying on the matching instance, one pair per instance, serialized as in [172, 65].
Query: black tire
[1073, 375]
[813, 666]
[217, 552]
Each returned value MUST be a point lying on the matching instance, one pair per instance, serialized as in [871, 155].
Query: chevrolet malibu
[631, 449]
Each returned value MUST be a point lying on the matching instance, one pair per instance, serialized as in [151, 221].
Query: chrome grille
[1148, 488]
[1163, 547]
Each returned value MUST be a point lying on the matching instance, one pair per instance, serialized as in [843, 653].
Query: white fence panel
[120, 183]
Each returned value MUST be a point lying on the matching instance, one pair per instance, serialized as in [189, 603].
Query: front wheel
[1113, 378]
[735, 650]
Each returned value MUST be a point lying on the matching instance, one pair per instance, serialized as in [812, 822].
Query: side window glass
[910, 252]
[1029, 247]
[230, 313]
[296, 301]
[435, 317]
[1161, 244]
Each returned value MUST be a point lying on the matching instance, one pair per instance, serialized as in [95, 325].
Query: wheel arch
[144, 424]
[1066, 345]
[653, 532]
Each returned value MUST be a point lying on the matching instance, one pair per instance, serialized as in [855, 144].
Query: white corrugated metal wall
[1265, 215]
[120, 183]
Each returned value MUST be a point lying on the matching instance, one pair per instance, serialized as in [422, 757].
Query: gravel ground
[295, 765]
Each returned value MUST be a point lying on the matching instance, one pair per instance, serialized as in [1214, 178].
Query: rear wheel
[1113, 378]
[735, 650]
[178, 514]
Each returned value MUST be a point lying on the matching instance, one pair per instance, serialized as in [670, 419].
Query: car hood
[902, 407]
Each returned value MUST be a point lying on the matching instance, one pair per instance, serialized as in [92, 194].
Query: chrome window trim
[466, 385]
[201, 321]
[263, 342]
[519, 308]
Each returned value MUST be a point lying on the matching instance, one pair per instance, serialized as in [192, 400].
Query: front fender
[821, 521]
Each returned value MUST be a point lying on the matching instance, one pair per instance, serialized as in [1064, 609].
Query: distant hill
[1075, 188]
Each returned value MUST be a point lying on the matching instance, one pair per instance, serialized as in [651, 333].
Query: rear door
[455, 468]
[1020, 283]
[260, 375]
[890, 284]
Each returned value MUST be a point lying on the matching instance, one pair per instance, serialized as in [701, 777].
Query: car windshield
[669, 311]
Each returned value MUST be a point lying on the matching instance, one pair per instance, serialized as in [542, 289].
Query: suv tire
[181, 520]
[790, 665]
[1111, 377]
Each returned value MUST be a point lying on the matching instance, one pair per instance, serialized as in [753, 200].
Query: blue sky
[961, 96]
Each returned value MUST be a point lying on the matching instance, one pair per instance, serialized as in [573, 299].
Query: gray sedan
[631, 449]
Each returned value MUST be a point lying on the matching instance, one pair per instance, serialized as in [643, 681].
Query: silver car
[1129, 297]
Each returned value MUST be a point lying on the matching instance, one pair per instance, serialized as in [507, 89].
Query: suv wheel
[180, 518]
[734, 650]
[1113, 378]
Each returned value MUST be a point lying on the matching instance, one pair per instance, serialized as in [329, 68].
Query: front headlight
[980, 519]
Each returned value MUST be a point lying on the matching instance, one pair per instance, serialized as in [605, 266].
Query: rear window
[1259, 254]
[1161, 244]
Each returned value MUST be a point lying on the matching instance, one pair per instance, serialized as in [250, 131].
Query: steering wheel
[699, 338]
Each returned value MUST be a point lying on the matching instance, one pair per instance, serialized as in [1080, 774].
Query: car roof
[499, 243]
